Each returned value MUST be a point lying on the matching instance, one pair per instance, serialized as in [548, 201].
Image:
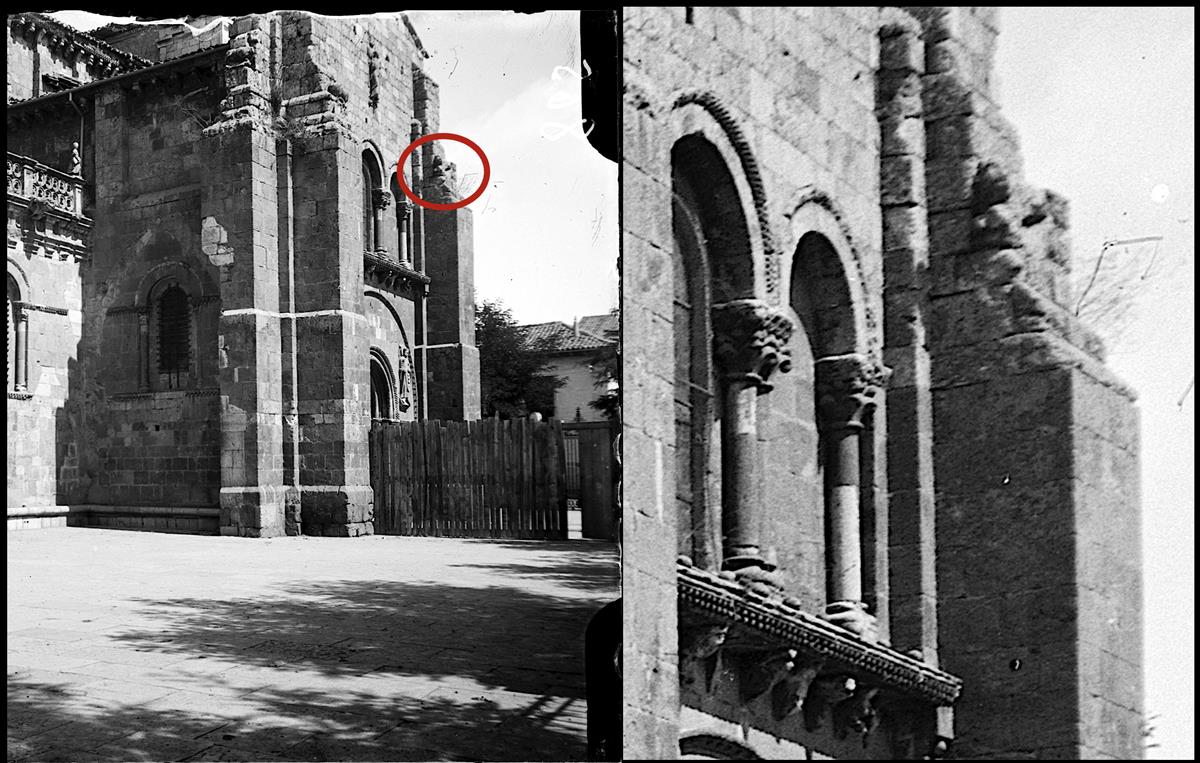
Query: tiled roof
[593, 333]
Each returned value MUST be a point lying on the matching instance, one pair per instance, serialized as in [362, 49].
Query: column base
[252, 511]
[342, 511]
[852, 616]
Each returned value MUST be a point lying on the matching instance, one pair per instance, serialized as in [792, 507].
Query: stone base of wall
[168, 519]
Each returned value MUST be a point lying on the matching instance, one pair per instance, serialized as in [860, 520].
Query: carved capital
[847, 386]
[381, 198]
[406, 209]
[749, 340]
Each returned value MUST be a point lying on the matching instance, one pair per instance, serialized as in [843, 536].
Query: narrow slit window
[174, 334]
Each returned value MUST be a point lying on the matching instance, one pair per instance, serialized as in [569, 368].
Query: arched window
[171, 329]
[174, 331]
[374, 202]
[16, 337]
[694, 387]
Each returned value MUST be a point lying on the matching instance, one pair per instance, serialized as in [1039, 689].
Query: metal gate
[591, 475]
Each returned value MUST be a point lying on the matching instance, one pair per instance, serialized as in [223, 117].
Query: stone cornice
[388, 274]
[757, 622]
[94, 51]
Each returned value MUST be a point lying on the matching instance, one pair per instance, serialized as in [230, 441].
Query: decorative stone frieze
[805, 662]
[382, 272]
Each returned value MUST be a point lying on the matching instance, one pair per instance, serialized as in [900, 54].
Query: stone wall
[985, 467]
[797, 90]
[200, 178]
[1019, 391]
[36, 420]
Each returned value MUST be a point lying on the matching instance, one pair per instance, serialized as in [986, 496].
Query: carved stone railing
[806, 663]
[34, 181]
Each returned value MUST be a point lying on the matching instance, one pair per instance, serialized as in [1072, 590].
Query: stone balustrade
[35, 181]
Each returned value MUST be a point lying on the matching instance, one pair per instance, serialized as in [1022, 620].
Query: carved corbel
[856, 713]
[759, 671]
[749, 341]
[789, 695]
[700, 645]
[825, 692]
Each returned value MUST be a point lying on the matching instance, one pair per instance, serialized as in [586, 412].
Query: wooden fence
[477, 479]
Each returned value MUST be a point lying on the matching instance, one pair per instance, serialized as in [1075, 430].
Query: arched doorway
[382, 387]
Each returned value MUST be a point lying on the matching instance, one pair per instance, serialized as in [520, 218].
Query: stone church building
[214, 279]
[881, 492]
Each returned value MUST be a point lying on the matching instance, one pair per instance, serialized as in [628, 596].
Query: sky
[1103, 100]
[546, 227]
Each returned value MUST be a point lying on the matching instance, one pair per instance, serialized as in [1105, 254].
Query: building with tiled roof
[571, 350]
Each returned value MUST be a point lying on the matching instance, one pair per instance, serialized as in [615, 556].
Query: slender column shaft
[739, 470]
[846, 389]
[143, 350]
[404, 254]
[22, 379]
[748, 342]
[845, 553]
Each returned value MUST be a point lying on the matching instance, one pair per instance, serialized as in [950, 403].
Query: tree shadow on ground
[338, 670]
[59, 722]
[582, 565]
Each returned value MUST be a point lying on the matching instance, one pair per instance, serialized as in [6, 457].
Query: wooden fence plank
[491, 478]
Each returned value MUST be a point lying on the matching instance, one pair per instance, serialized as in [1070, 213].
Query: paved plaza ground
[148, 646]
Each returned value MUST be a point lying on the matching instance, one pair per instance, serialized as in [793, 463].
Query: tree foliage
[606, 377]
[513, 376]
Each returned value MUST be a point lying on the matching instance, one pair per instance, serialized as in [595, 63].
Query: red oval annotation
[487, 171]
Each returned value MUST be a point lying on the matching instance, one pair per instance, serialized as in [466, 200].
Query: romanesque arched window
[172, 337]
[375, 200]
[847, 383]
[694, 398]
[404, 220]
[16, 347]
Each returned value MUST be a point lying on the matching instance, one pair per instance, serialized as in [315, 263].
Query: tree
[513, 374]
[606, 376]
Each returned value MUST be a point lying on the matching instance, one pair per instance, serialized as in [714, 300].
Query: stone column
[381, 199]
[846, 390]
[20, 373]
[143, 318]
[405, 212]
[748, 342]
